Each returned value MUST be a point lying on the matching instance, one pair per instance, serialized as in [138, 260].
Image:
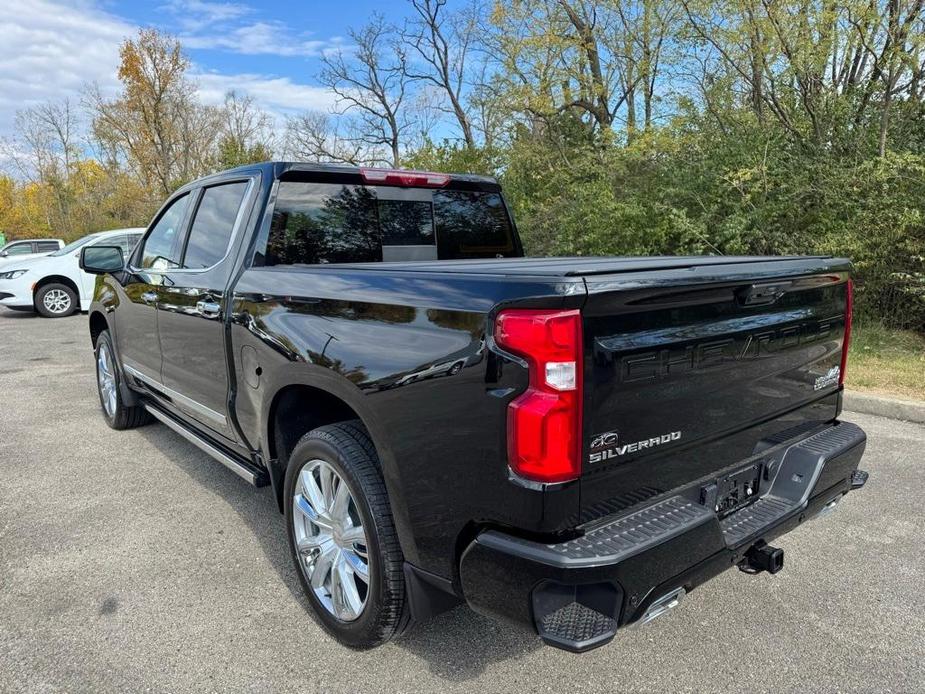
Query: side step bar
[251, 473]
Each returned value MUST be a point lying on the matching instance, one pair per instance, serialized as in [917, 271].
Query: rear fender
[334, 384]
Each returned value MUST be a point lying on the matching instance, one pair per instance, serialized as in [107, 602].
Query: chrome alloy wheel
[330, 540]
[106, 379]
[57, 301]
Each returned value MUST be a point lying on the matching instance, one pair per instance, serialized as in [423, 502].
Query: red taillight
[397, 177]
[846, 343]
[544, 423]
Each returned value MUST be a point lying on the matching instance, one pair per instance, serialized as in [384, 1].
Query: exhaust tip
[829, 507]
[662, 605]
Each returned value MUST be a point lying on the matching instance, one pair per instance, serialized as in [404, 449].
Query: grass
[890, 362]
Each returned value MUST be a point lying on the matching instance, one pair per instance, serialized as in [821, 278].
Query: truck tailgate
[690, 368]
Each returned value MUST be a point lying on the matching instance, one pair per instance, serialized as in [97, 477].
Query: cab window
[210, 232]
[159, 251]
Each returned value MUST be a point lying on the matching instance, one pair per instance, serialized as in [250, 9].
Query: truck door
[136, 327]
[191, 307]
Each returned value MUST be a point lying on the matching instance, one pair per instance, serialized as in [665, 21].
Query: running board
[251, 473]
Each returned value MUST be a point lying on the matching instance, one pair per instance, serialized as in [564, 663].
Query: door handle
[208, 309]
[149, 297]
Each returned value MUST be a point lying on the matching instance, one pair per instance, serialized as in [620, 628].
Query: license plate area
[733, 491]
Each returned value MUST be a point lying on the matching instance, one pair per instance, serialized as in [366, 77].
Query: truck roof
[279, 169]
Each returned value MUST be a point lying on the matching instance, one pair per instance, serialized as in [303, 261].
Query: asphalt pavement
[130, 561]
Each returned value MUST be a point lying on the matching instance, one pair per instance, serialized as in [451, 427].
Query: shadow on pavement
[458, 645]
[10, 313]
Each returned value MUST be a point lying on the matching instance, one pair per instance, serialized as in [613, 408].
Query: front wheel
[108, 384]
[56, 300]
[342, 535]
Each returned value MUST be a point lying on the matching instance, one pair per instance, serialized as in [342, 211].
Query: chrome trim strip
[179, 398]
[203, 445]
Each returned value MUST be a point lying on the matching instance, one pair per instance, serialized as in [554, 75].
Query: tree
[820, 69]
[443, 44]
[564, 56]
[372, 84]
[156, 125]
[316, 135]
[246, 133]
[46, 150]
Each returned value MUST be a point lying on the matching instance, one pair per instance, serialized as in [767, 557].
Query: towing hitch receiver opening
[762, 557]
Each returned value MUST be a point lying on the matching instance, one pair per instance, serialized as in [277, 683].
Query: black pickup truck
[568, 443]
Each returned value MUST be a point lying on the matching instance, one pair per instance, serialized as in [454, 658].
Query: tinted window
[334, 223]
[406, 222]
[323, 223]
[19, 249]
[159, 247]
[213, 224]
[45, 246]
[471, 225]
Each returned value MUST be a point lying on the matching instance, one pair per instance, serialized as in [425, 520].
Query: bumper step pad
[614, 541]
[636, 532]
[754, 518]
[796, 477]
[576, 627]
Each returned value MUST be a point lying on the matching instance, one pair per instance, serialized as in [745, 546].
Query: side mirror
[4, 254]
[101, 260]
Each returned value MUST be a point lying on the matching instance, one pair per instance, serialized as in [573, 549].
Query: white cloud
[49, 51]
[193, 15]
[260, 38]
[228, 26]
[279, 95]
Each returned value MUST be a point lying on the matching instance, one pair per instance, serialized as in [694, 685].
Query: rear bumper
[576, 594]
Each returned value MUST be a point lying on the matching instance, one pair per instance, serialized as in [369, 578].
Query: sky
[49, 49]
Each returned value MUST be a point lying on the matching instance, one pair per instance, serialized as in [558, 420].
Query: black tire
[45, 291]
[347, 448]
[122, 417]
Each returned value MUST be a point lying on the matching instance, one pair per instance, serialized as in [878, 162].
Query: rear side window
[45, 246]
[210, 232]
[159, 251]
[334, 223]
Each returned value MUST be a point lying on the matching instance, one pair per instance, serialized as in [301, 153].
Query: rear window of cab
[318, 223]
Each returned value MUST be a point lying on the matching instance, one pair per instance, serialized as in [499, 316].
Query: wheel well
[56, 279]
[97, 325]
[295, 411]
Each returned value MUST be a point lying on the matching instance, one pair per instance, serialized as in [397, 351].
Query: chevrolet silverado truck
[571, 444]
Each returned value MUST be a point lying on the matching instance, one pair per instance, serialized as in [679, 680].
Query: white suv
[54, 285]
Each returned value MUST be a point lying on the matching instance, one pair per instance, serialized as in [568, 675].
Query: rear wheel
[56, 300]
[342, 535]
[108, 383]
